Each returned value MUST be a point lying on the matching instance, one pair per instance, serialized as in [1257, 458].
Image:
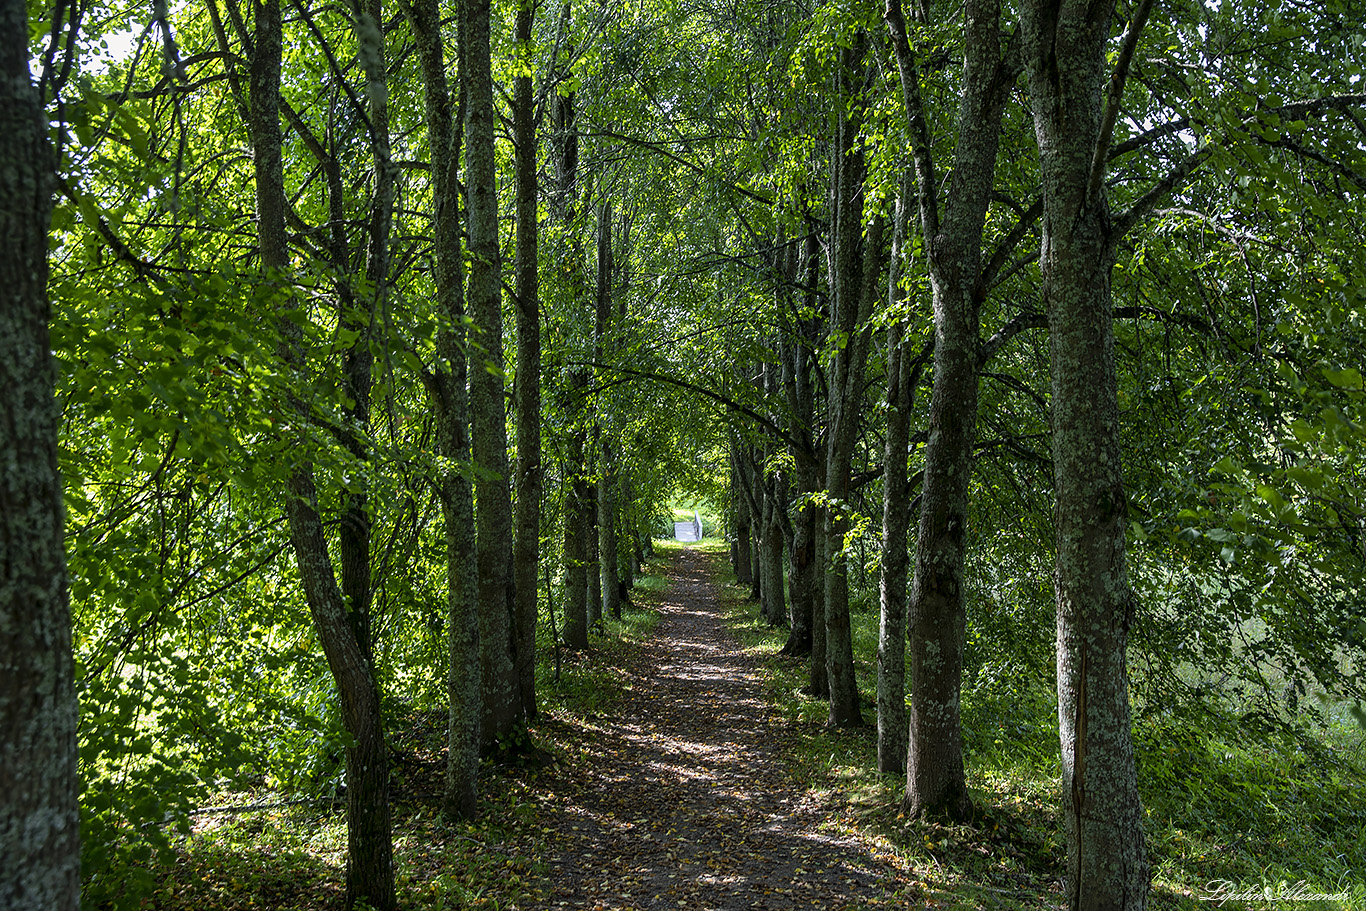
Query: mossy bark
[39, 820]
[1065, 52]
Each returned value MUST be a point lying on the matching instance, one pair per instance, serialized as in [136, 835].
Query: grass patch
[1263, 813]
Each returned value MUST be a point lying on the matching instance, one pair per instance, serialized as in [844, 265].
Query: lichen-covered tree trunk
[39, 821]
[447, 388]
[603, 345]
[896, 518]
[935, 782]
[852, 262]
[502, 704]
[369, 867]
[527, 389]
[799, 354]
[1065, 55]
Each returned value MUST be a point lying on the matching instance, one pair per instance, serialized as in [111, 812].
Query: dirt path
[684, 802]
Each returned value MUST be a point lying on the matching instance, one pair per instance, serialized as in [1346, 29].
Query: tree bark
[896, 520]
[369, 867]
[744, 559]
[607, 494]
[1065, 54]
[447, 389]
[564, 147]
[576, 523]
[353, 537]
[502, 705]
[804, 579]
[935, 782]
[527, 389]
[39, 820]
[591, 547]
[851, 264]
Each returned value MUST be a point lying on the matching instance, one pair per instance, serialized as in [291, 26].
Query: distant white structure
[689, 531]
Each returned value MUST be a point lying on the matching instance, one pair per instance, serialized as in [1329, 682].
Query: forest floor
[678, 765]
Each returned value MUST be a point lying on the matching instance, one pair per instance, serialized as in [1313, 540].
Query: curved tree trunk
[39, 820]
[369, 869]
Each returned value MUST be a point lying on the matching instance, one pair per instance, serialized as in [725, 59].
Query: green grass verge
[1272, 816]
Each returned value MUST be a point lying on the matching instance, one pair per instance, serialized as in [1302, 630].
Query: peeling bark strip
[369, 861]
[446, 387]
[1065, 46]
[39, 822]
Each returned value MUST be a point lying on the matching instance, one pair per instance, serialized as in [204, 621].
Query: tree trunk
[607, 535]
[744, 560]
[804, 579]
[853, 296]
[935, 781]
[603, 333]
[527, 389]
[447, 389]
[353, 536]
[502, 709]
[771, 557]
[369, 869]
[896, 520]
[591, 547]
[1065, 54]
[564, 147]
[576, 525]
[819, 686]
[39, 820]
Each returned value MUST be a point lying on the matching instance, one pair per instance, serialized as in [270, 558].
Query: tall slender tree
[855, 264]
[952, 225]
[527, 389]
[446, 383]
[369, 868]
[503, 708]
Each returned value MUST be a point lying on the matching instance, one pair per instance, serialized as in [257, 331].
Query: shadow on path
[685, 802]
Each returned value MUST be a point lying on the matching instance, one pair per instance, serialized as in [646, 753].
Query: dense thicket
[385, 335]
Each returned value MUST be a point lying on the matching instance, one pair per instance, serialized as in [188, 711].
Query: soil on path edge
[683, 800]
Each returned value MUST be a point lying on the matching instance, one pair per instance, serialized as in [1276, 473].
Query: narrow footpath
[685, 801]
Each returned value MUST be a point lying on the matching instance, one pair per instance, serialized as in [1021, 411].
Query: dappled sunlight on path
[684, 801]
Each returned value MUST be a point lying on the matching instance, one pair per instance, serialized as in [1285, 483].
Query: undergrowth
[1227, 810]
[266, 850]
